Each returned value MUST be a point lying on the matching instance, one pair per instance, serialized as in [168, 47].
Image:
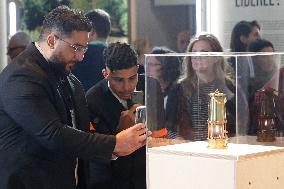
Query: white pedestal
[194, 166]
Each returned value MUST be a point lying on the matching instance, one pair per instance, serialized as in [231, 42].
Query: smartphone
[140, 114]
[138, 97]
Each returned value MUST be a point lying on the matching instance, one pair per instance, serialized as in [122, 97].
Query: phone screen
[140, 114]
[138, 97]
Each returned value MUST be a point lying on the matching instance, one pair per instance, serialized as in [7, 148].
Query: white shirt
[123, 102]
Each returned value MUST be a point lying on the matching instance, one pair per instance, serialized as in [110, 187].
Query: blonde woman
[203, 75]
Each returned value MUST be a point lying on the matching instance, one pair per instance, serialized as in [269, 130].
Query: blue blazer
[127, 172]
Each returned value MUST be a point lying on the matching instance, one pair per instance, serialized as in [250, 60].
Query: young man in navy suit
[111, 111]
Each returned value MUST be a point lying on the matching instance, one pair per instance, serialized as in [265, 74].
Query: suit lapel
[53, 82]
[113, 108]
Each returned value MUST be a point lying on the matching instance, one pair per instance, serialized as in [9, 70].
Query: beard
[59, 64]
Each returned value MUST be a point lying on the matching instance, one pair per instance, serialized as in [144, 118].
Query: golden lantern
[217, 132]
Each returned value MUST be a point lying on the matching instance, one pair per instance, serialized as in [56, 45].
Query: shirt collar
[96, 42]
[123, 102]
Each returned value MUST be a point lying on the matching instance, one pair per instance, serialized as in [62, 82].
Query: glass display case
[215, 120]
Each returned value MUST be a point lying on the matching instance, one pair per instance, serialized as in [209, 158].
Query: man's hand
[127, 118]
[131, 139]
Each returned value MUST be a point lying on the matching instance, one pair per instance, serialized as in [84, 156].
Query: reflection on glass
[204, 70]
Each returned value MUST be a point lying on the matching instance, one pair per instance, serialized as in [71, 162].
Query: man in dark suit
[111, 111]
[42, 104]
[89, 71]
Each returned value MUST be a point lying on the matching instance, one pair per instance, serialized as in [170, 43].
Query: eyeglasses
[76, 48]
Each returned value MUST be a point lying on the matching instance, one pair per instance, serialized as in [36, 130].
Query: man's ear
[105, 73]
[51, 41]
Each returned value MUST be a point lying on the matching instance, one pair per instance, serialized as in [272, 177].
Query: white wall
[161, 24]
[224, 14]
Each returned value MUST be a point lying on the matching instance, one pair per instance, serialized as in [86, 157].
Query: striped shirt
[199, 109]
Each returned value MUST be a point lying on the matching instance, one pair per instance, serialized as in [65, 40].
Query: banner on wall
[222, 15]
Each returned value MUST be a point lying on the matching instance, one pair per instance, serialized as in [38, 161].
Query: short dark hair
[64, 21]
[170, 65]
[241, 28]
[100, 22]
[255, 23]
[259, 44]
[118, 56]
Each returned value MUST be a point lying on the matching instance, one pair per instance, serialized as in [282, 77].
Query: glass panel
[180, 101]
[215, 113]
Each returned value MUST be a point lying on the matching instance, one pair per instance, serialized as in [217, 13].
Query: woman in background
[203, 75]
[166, 69]
[265, 66]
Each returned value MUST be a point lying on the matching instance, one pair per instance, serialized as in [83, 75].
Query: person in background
[242, 34]
[17, 43]
[112, 110]
[43, 108]
[183, 38]
[203, 75]
[165, 69]
[89, 71]
[268, 78]
[264, 65]
[141, 46]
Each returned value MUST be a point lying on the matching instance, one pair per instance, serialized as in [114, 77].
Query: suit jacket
[127, 172]
[38, 146]
[89, 71]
